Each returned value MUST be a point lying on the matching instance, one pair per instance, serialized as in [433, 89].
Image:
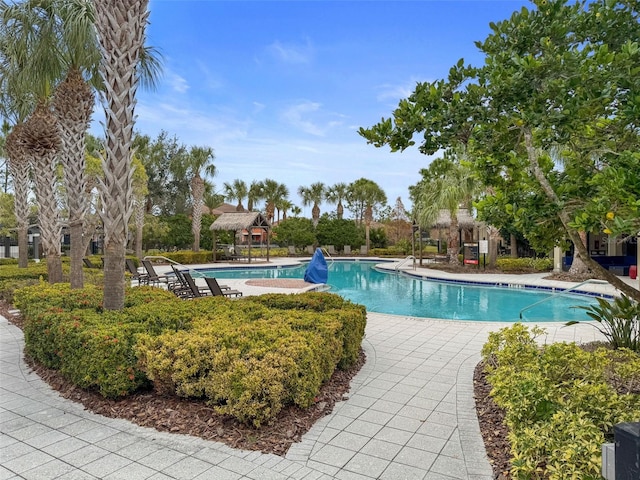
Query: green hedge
[507, 264]
[248, 357]
[560, 401]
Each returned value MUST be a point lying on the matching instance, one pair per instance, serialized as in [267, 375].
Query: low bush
[560, 401]
[248, 357]
[508, 264]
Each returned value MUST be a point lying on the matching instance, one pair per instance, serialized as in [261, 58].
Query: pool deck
[410, 414]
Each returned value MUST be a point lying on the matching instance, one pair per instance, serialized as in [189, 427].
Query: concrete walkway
[410, 415]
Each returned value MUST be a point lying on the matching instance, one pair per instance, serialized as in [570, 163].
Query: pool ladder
[591, 280]
[403, 262]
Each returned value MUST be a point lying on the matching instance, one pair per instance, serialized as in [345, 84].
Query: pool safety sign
[471, 253]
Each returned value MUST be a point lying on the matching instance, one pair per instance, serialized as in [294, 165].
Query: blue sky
[279, 88]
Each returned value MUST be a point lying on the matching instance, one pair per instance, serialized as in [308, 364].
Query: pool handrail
[194, 273]
[560, 292]
[326, 253]
[402, 262]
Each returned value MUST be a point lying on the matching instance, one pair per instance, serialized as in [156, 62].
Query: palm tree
[237, 190]
[284, 206]
[255, 194]
[313, 195]
[27, 76]
[336, 194]
[368, 194]
[273, 193]
[296, 211]
[121, 33]
[200, 159]
[446, 184]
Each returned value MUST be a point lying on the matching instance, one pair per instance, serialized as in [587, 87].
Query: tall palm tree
[336, 194]
[367, 196]
[255, 194]
[121, 33]
[237, 190]
[313, 195]
[447, 184]
[27, 78]
[273, 193]
[199, 160]
[42, 141]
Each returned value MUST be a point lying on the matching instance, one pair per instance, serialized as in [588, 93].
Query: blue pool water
[404, 295]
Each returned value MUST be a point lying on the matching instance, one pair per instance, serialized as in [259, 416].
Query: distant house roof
[224, 208]
[240, 221]
[465, 220]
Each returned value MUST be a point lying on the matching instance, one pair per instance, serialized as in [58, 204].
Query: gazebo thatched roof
[240, 221]
[465, 220]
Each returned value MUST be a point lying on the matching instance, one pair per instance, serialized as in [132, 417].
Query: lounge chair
[216, 290]
[88, 263]
[142, 278]
[153, 277]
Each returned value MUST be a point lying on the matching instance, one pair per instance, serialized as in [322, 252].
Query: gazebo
[240, 221]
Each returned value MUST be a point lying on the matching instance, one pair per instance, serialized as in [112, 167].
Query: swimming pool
[405, 295]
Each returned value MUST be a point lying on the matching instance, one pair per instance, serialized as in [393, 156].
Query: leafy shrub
[560, 401]
[618, 321]
[248, 357]
[508, 264]
[253, 356]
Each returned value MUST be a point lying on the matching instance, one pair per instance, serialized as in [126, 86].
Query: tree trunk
[315, 214]
[340, 211]
[197, 191]
[77, 254]
[139, 222]
[19, 167]
[121, 33]
[514, 246]
[453, 242]
[574, 236]
[368, 218]
[73, 104]
[578, 267]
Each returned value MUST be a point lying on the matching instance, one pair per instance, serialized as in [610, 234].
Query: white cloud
[294, 54]
[177, 83]
[309, 117]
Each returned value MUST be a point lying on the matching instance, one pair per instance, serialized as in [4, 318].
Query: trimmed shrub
[560, 401]
[507, 264]
[251, 357]
[248, 357]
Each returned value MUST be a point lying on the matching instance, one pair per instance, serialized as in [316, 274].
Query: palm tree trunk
[340, 211]
[139, 222]
[19, 168]
[50, 229]
[453, 243]
[315, 214]
[73, 102]
[197, 191]
[121, 33]
[368, 218]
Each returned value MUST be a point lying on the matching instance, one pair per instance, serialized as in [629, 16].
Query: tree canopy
[553, 113]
